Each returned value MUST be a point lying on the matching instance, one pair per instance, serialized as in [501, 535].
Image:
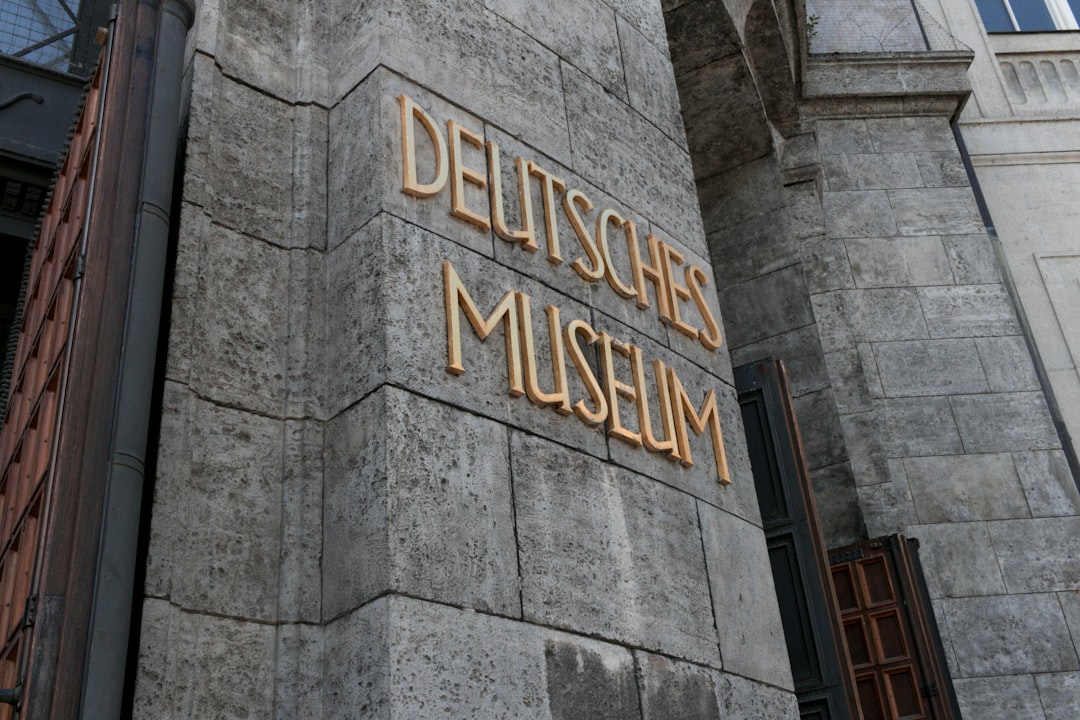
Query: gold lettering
[606, 217]
[710, 335]
[548, 185]
[614, 388]
[707, 416]
[460, 174]
[458, 299]
[410, 185]
[527, 234]
[571, 200]
[653, 273]
[592, 385]
[560, 398]
[676, 292]
[648, 439]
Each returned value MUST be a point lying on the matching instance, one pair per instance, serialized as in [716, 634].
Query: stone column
[343, 527]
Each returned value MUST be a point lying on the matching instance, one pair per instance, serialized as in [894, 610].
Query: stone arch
[737, 65]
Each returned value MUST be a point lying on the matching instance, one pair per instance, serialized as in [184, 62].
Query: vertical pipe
[110, 620]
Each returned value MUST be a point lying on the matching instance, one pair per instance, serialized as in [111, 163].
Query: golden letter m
[505, 312]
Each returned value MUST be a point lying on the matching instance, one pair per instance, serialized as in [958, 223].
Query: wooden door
[890, 632]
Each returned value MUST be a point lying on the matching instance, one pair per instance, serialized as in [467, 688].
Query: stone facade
[343, 528]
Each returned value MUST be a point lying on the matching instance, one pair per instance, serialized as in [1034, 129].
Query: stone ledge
[831, 83]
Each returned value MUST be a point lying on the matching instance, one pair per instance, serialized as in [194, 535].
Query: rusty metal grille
[29, 427]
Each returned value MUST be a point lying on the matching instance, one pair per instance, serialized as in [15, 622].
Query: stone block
[1009, 635]
[197, 665]
[920, 426]
[911, 134]
[400, 337]
[271, 46]
[585, 682]
[972, 259]
[466, 656]
[1002, 697]
[617, 149]
[843, 137]
[646, 16]
[243, 157]
[804, 207]
[968, 311]
[898, 262]
[887, 507]
[305, 369]
[298, 686]
[819, 423]
[419, 503]
[1008, 363]
[757, 246]
[885, 314]
[930, 367]
[183, 311]
[608, 553]
[935, 211]
[871, 171]
[800, 350]
[945, 548]
[863, 432]
[961, 488]
[241, 327]
[170, 484]
[302, 515]
[942, 169]
[675, 689]
[582, 33]
[698, 35]
[744, 599]
[1048, 483]
[766, 306]
[740, 194]
[859, 213]
[854, 380]
[216, 533]
[415, 38]
[1039, 555]
[1060, 695]
[1005, 421]
[837, 502]
[357, 675]
[650, 80]
[365, 166]
[826, 265]
[1070, 604]
[743, 698]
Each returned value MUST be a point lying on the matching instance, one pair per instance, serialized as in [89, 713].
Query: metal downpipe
[110, 622]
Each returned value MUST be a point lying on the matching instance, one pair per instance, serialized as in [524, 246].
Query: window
[1029, 15]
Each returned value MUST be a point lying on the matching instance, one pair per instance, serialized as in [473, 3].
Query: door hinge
[80, 266]
[930, 690]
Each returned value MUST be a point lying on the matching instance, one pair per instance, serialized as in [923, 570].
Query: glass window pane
[1032, 15]
[994, 15]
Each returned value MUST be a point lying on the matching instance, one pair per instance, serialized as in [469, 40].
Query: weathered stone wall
[849, 244]
[341, 527]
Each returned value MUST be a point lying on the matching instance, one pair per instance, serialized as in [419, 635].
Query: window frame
[1060, 11]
